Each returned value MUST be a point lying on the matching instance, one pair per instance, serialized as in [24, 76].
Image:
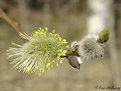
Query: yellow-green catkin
[43, 50]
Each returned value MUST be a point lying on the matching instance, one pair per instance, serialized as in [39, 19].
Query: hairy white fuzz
[79, 60]
[89, 48]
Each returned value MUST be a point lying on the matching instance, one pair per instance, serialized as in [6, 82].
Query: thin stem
[12, 23]
[70, 53]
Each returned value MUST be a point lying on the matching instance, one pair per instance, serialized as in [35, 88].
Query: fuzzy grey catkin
[89, 48]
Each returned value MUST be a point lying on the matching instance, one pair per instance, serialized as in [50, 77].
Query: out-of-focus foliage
[68, 18]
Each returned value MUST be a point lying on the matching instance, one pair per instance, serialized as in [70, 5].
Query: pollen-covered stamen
[24, 35]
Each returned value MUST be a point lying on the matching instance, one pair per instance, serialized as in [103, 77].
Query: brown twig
[12, 23]
[70, 53]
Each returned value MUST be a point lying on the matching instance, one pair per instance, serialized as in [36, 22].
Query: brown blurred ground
[63, 78]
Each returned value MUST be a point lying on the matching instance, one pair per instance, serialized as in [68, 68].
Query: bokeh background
[70, 19]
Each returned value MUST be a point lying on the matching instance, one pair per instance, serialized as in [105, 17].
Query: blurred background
[72, 19]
